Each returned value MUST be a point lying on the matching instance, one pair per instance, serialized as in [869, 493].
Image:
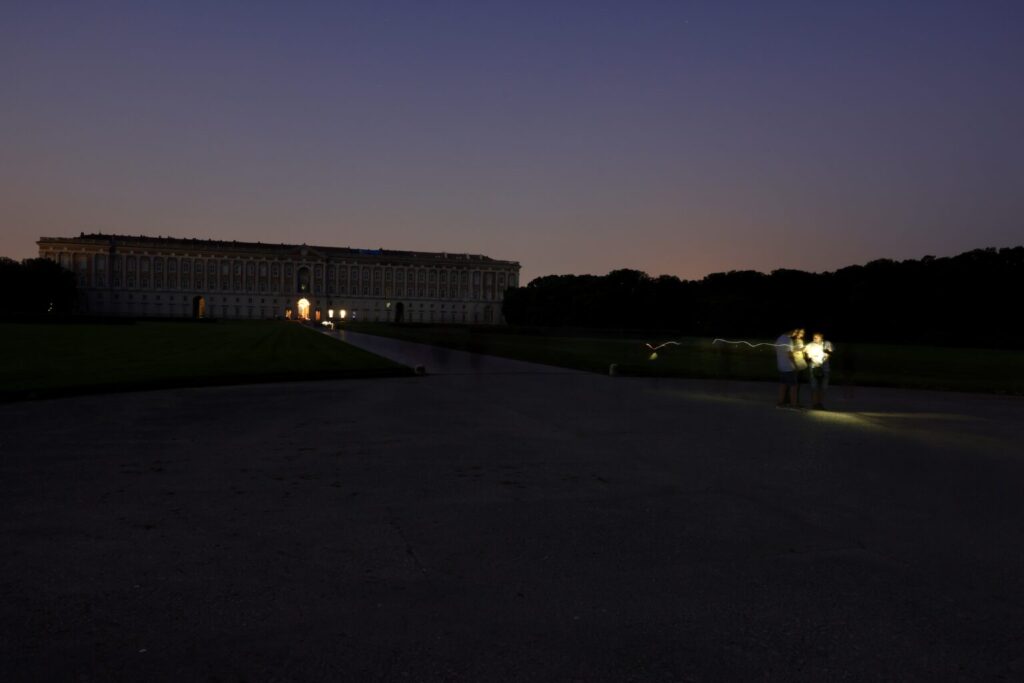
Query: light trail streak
[753, 346]
[715, 341]
[654, 349]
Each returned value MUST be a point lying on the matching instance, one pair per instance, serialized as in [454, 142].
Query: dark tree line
[36, 287]
[968, 300]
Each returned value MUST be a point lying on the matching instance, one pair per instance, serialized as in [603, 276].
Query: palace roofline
[194, 242]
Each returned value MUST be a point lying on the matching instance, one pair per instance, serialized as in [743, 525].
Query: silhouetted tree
[35, 287]
[969, 299]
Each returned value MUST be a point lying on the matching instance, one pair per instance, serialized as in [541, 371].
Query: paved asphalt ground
[511, 527]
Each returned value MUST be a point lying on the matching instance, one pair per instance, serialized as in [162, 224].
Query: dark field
[53, 360]
[913, 367]
[49, 360]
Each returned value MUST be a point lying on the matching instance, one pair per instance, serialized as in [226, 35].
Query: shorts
[819, 382]
[788, 378]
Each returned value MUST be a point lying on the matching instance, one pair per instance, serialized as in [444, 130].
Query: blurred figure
[785, 360]
[799, 359]
[818, 352]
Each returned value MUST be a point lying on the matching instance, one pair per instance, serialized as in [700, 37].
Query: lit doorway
[198, 307]
[303, 306]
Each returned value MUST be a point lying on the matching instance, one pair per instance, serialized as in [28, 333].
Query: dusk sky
[575, 137]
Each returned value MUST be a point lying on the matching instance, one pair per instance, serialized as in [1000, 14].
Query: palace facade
[176, 278]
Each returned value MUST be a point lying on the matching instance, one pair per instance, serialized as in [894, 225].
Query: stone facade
[179, 278]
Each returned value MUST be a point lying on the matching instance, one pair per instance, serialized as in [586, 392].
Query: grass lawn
[40, 360]
[920, 367]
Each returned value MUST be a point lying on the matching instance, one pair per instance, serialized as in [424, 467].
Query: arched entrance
[198, 307]
[317, 315]
[303, 306]
[399, 312]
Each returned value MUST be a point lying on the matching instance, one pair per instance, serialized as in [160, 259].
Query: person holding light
[818, 352]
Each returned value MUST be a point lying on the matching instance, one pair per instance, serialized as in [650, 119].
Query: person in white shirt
[818, 352]
[785, 360]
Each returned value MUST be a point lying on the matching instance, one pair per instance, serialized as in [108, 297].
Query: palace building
[176, 278]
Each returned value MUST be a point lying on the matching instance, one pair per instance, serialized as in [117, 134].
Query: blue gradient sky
[575, 137]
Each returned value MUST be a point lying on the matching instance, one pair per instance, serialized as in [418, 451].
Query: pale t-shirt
[783, 349]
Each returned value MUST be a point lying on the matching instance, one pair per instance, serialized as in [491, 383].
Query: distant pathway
[438, 360]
